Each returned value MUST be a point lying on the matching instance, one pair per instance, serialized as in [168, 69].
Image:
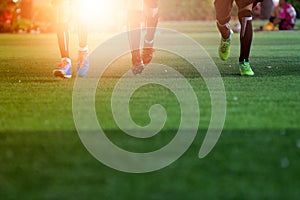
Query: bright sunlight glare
[102, 14]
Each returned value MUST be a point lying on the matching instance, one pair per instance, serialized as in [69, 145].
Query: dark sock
[224, 30]
[246, 35]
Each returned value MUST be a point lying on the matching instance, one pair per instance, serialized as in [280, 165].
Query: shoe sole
[245, 74]
[224, 58]
[242, 74]
[61, 74]
[137, 69]
[82, 72]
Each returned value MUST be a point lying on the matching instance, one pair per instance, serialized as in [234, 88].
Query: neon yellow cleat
[245, 69]
[224, 48]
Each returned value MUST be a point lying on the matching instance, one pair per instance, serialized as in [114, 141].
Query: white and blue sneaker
[83, 63]
[64, 69]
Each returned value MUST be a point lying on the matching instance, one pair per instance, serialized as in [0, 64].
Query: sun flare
[102, 13]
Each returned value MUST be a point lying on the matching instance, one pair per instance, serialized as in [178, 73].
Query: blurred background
[38, 16]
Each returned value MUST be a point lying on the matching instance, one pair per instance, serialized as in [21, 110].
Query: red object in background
[7, 17]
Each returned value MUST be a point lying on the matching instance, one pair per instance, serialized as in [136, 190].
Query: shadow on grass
[245, 164]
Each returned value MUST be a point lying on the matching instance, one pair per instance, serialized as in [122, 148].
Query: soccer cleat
[224, 48]
[245, 69]
[138, 69]
[147, 55]
[137, 62]
[83, 63]
[63, 70]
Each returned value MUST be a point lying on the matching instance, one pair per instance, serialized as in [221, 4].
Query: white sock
[66, 59]
[86, 48]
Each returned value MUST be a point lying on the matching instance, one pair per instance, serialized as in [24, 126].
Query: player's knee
[245, 17]
[245, 13]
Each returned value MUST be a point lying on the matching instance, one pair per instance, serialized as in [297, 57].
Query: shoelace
[63, 64]
[224, 46]
[245, 66]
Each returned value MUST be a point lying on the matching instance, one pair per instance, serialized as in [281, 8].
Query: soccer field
[256, 157]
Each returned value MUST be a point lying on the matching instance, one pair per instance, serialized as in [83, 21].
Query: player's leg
[64, 69]
[223, 9]
[246, 35]
[83, 63]
[134, 18]
[151, 19]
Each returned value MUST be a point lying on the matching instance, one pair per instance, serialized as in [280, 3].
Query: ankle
[66, 59]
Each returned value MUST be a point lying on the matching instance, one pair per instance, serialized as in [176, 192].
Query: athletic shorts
[223, 7]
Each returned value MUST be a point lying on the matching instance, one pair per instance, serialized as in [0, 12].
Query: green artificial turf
[256, 157]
